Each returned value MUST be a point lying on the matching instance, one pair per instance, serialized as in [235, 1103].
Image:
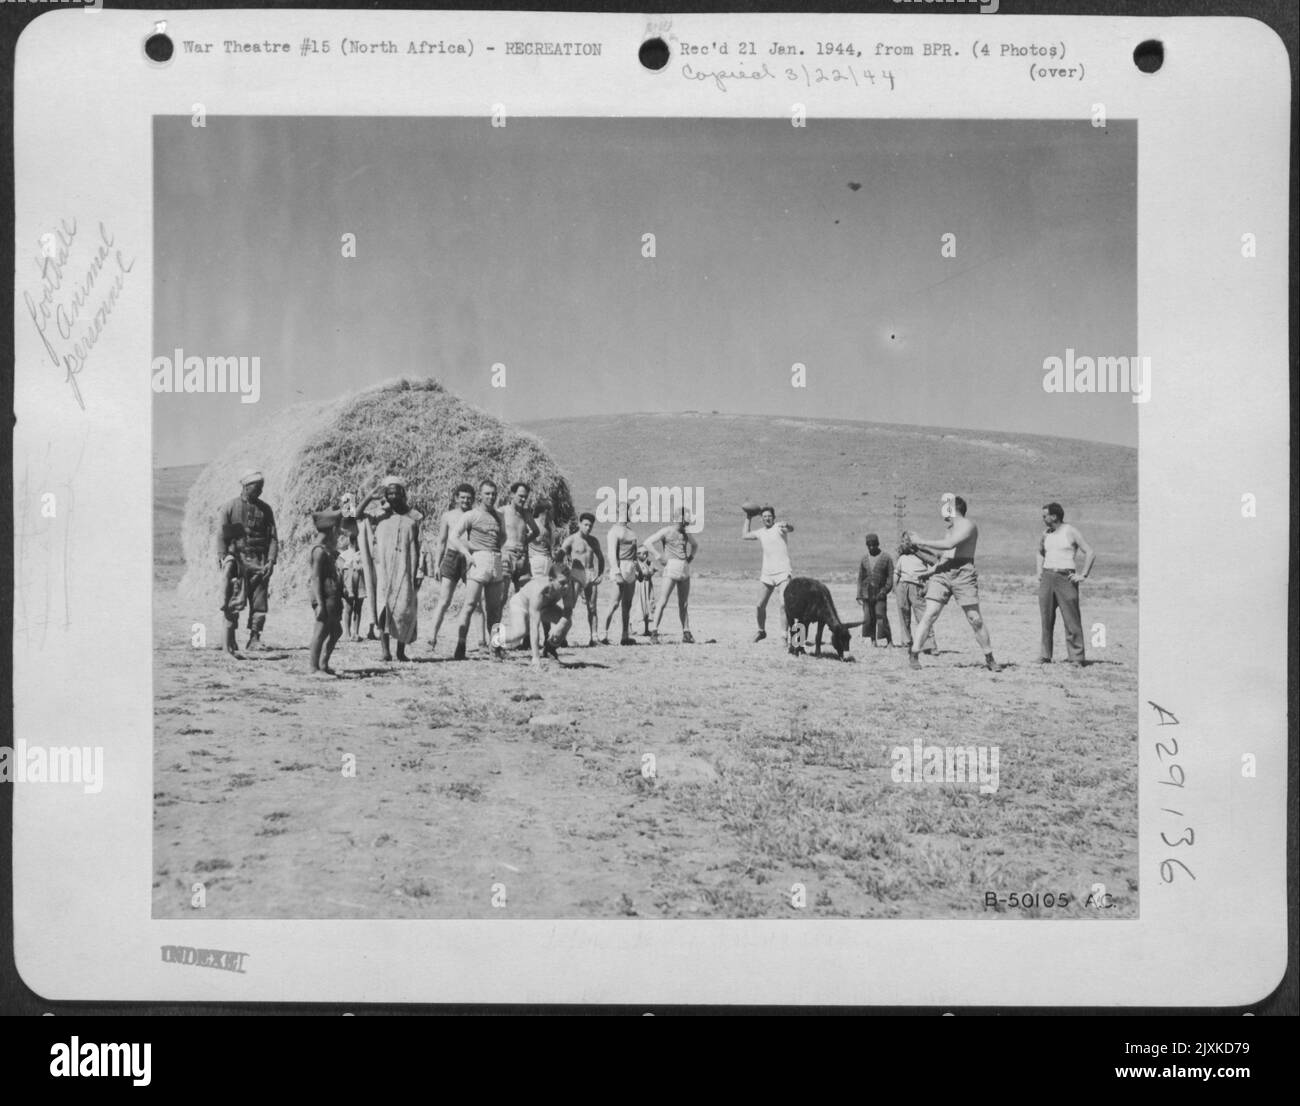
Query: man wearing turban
[394, 542]
[261, 547]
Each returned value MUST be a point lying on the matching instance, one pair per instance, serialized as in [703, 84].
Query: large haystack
[312, 453]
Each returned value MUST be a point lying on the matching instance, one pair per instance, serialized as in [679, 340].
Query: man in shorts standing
[447, 562]
[620, 548]
[520, 530]
[677, 552]
[479, 536]
[953, 578]
[586, 567]
[776, 570]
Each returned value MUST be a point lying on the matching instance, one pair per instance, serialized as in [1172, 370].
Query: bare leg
[446, 589]
[664, 592]
[933, 608]
[683, 601]
[319, 631]
[473, 593]
[765, 593]
[618, 595]
[494, 600]
[335, 632]
[976, 621]
[627, 611]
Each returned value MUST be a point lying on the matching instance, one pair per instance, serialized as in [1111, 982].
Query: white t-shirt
[909, 567]
[776, 552]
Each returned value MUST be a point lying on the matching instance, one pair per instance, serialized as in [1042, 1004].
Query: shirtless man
[478, 536]
[586, 568]
[776, 571]
[447, 563]
[677, 552]
[620, 551]
[954, 576]
[541, 546]
[519, 531]
[538, 612]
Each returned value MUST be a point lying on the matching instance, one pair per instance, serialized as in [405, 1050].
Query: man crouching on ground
[540, 612]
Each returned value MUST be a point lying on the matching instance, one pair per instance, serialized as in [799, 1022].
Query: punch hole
[1150, 55]
[159, 48]
[653, 53]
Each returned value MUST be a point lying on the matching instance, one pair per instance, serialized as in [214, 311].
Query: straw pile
[312, 453]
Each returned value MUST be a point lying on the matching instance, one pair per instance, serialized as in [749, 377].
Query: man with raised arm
[776, 571]
[954, 577]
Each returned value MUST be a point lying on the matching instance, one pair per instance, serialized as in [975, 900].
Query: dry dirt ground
[484, 789]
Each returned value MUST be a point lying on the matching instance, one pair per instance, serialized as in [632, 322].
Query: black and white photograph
[658, 518]
[597, 509]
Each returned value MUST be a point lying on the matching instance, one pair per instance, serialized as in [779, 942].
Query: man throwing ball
[776, 570]
[954, 577]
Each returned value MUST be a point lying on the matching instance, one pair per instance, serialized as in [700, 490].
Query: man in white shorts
[479, 536]
[776, 571]
[620, 550]
[677, 552]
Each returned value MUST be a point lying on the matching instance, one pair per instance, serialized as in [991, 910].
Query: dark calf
[808, 601]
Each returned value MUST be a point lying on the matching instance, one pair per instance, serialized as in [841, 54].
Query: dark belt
[956, 562]
[1063, 571]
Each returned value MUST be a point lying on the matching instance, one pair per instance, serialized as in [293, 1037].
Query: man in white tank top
[776, 570]
[678, 551]
[1058, 582]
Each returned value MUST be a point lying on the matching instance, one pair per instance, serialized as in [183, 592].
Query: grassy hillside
[835, 480]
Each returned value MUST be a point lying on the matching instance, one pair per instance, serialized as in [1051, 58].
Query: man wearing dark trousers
[1058, 582]
[875, 582]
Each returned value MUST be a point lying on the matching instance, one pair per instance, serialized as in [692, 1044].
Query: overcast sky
[774, 244]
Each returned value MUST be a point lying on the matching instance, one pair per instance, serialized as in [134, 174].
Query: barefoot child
[645, 574]
[354, 585]
[234, 595]
[326, 592]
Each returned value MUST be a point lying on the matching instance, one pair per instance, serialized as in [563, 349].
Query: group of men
[525, 576]
[931, 571]
[520, 572]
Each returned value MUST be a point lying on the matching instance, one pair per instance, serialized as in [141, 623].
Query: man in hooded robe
[394, 542]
